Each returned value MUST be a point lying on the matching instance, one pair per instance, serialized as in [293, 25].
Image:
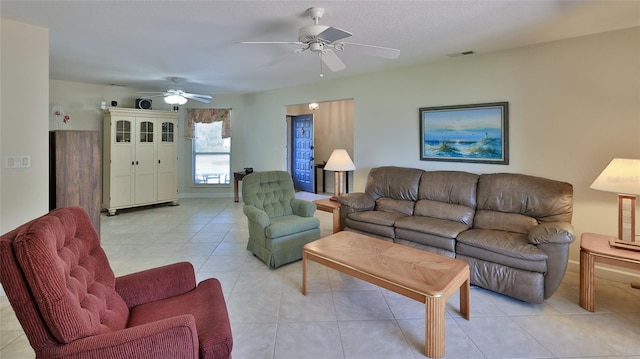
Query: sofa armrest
[357, 201]
[156, 283]
[552, 232]
[254, 214]
[175, 337]
[303, 208]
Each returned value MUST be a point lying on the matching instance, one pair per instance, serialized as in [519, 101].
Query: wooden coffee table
[426, 277]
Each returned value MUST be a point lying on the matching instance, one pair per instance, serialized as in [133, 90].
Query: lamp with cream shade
[622, 176]
[339, 162]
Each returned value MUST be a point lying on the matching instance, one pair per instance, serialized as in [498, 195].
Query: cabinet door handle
[136, 163]
[133, 163]
[158, 161]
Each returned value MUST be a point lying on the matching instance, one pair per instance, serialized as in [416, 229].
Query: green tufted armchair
[279, 224]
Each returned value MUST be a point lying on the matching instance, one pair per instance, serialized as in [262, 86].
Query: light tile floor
[342, 317]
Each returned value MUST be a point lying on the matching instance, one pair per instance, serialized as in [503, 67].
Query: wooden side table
[237, 177]
[327, 205]
[595, 248]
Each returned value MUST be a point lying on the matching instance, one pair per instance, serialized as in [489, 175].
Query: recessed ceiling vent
[464, 53]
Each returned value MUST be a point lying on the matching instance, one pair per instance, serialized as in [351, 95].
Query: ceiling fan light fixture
[175, 99]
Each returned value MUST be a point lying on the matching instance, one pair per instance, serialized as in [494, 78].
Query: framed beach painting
[465, 133]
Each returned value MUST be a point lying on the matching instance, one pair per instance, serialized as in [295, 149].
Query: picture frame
[476, 133]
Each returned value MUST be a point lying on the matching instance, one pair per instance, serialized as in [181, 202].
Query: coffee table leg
[587, 286]
[304, 273]
[465, 308]
[434, 327]
[337, 227]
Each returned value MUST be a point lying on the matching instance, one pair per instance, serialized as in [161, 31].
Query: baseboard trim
[611, 273]
[205, 195]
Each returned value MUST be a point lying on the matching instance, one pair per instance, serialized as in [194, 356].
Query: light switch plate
[17, 162]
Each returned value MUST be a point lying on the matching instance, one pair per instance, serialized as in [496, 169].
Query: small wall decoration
[465, 133]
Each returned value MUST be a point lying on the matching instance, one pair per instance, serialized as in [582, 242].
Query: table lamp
[622, 176]
[339, 161]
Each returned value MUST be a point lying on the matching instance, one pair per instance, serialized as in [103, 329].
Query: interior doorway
[332, 129]
[302, 160]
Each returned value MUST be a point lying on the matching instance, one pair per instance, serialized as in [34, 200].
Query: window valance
[208, 115]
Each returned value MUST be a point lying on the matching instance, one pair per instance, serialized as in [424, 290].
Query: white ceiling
[142, 44]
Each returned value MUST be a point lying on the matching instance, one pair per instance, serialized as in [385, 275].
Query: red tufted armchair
[70, 304]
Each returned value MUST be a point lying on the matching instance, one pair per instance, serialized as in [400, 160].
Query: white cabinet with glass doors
[139, 158]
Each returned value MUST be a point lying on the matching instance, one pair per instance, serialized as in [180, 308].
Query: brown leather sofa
[514, 230]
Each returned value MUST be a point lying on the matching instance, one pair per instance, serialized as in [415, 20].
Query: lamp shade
[339, 161]
[620, 176]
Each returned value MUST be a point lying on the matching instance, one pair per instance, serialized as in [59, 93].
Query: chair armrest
[256, 215]
[303, 208]
[552, 232]
[357, 201]
[156, 283]
[175, 337]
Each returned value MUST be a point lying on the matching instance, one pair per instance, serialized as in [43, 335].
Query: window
[211, 154]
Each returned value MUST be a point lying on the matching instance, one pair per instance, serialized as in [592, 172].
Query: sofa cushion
[71, 282]
[377, 217]
[377, 222]
[454, 187]
[377, 230]
[544, 199]
[425, 239]
[430, 225]
[448, 211]
[509, 244]
[395, 205]
[510, 222]
[393, 182]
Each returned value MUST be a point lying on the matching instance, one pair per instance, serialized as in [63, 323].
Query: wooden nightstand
[327, 205]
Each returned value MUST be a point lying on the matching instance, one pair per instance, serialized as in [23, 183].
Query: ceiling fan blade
[332, 61]
[203, 99]
[153, 94]
[194, 95]
[199, 99]
[332, 34]
[272, 42]
[379, 51]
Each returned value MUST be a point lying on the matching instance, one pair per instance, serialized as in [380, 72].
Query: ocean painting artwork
[465, 133]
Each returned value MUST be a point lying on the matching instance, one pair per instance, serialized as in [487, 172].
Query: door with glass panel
[122, 162]
[167, 160]
[146, 161]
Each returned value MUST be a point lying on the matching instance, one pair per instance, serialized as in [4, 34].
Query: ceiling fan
[324, 40]
[177, 96]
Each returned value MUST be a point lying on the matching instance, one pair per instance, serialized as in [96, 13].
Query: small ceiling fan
[177, 96]
[324, 40]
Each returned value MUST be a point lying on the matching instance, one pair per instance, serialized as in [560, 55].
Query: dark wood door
[302, 160]
[75, 176]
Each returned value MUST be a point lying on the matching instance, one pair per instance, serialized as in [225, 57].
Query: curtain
[208, 115]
